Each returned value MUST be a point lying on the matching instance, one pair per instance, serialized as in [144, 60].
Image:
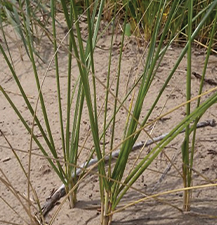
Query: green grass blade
[34, 137]
[53, 11]
[185, 145]
[143, 165]
[25, 98]
[127, 146]
[199, 92]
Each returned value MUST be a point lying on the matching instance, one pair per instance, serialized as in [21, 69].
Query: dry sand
[43, 178]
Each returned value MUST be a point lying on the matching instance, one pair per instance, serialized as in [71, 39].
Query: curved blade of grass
[34, 137]
[53, 14]
[27, 26]
[81, 62]
[199, 92]
[27, 103]
[163, 193]
[29, 39]
[142, 166]
[182, 54]
[23, 169]
[125, 150]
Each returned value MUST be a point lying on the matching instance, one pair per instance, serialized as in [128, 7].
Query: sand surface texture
[153, 211]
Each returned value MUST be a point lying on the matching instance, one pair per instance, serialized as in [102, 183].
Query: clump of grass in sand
[114, 182]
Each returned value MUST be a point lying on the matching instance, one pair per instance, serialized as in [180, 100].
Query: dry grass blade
[60, 192]
[92, 81]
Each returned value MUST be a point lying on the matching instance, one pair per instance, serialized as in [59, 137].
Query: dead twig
[61, 192]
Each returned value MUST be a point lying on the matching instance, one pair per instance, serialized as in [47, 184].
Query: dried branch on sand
[61, 192]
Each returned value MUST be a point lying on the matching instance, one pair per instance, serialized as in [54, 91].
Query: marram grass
[159, 24]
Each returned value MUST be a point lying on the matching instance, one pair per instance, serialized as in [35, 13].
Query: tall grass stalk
[185, 145]
[113, 180]
[192, 147]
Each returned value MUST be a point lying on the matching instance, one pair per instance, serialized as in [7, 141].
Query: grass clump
[160, 24]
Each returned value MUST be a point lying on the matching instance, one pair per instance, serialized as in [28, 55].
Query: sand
[43, 178]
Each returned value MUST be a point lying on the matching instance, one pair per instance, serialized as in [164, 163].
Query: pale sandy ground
[44, 180]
